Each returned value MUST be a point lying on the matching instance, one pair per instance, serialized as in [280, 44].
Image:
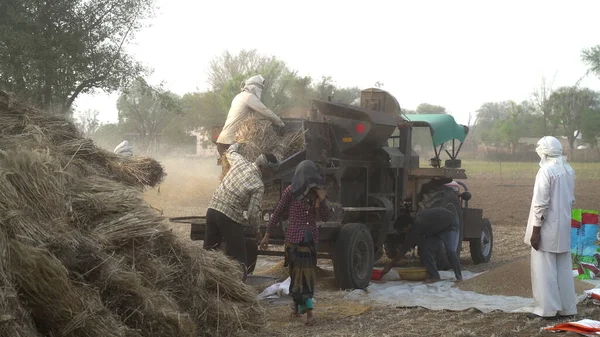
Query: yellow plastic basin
[412, 274]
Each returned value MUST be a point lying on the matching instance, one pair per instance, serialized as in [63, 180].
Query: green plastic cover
[443, 127]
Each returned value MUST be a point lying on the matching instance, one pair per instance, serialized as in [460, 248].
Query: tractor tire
[447, 198]
[481, 249]
[354, 257]
[251, 254]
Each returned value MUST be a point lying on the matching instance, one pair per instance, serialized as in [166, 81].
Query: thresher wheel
[447, 198]
[354, 256]
[481, 249]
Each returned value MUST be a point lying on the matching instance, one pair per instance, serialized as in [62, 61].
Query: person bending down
[431, 227]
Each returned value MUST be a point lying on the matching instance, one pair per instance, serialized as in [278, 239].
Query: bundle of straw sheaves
[257, 136]
[82, 254]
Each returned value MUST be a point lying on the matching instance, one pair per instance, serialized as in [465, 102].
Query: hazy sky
[458, 54]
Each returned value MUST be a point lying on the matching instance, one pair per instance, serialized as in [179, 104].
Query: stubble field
[502, 190]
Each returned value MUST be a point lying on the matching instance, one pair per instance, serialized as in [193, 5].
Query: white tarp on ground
[439, 296]
[434, 296]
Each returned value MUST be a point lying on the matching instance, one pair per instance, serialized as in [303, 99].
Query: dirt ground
[189, 186]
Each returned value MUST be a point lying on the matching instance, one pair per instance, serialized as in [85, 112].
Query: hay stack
[257, 136]
[82, 254]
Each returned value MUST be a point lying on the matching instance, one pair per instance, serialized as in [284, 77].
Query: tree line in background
[152, 111]
[51, 52]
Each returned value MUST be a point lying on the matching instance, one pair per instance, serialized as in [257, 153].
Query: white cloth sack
[124, 149]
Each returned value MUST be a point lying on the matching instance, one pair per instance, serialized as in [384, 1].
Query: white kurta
[242, 107]
[551, 266]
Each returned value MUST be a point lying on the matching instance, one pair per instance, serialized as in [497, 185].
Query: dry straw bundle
[82, 254]
[257, 136]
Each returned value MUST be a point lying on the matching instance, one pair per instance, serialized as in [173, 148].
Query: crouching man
[430, 228]
[241, 190]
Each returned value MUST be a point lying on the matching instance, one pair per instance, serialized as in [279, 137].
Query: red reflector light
[360, 128]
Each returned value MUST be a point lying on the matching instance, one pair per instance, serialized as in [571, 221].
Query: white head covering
[550, 151]
[124, 149]
[254, 84]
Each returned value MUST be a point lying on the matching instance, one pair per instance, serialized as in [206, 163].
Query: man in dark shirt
[431, 227]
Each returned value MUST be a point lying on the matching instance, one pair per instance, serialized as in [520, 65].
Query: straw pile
[82, 254]
[257, 136]
[511, 279]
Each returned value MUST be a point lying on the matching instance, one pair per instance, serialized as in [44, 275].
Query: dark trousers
[430, 246]
[219, 227]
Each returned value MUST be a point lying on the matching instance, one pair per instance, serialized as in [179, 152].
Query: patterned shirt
[301, 217]
[241, 190]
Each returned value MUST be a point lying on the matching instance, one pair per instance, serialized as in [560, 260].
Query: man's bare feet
[294, 313]
[310, 318]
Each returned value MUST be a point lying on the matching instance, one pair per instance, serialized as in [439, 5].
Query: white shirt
[242, 107]
[553, 199]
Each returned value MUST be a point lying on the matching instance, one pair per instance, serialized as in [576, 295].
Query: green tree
[426, 108]
[283, 89]
[53, 51]
[590, 126]
[520, 122]
[88, 122]
[569, 104]
[146, 110]
[200, 111]
[108, 136]
[591, 57]
[227, 72]
[486, 127]
[541, 101]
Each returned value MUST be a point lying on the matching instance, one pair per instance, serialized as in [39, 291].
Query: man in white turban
[244, 105]
[549, 233]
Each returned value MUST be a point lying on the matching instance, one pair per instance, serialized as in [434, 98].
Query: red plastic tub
[376, 274]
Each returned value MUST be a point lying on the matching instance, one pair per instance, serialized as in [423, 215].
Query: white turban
[254, 84]
[550, 151]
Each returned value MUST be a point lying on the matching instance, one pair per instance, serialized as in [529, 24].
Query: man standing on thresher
[243, 106]
[549, 233]
[241, 190]
[430, 228]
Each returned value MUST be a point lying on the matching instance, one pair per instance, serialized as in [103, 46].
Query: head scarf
[124, 149]
[254, 85]
[550, 151]
[306, 177]
[262, 161]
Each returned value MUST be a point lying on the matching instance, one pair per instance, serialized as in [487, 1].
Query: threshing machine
[374, 177]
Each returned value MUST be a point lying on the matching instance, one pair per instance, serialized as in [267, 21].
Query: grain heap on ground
[81, 252]
[511, 279]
